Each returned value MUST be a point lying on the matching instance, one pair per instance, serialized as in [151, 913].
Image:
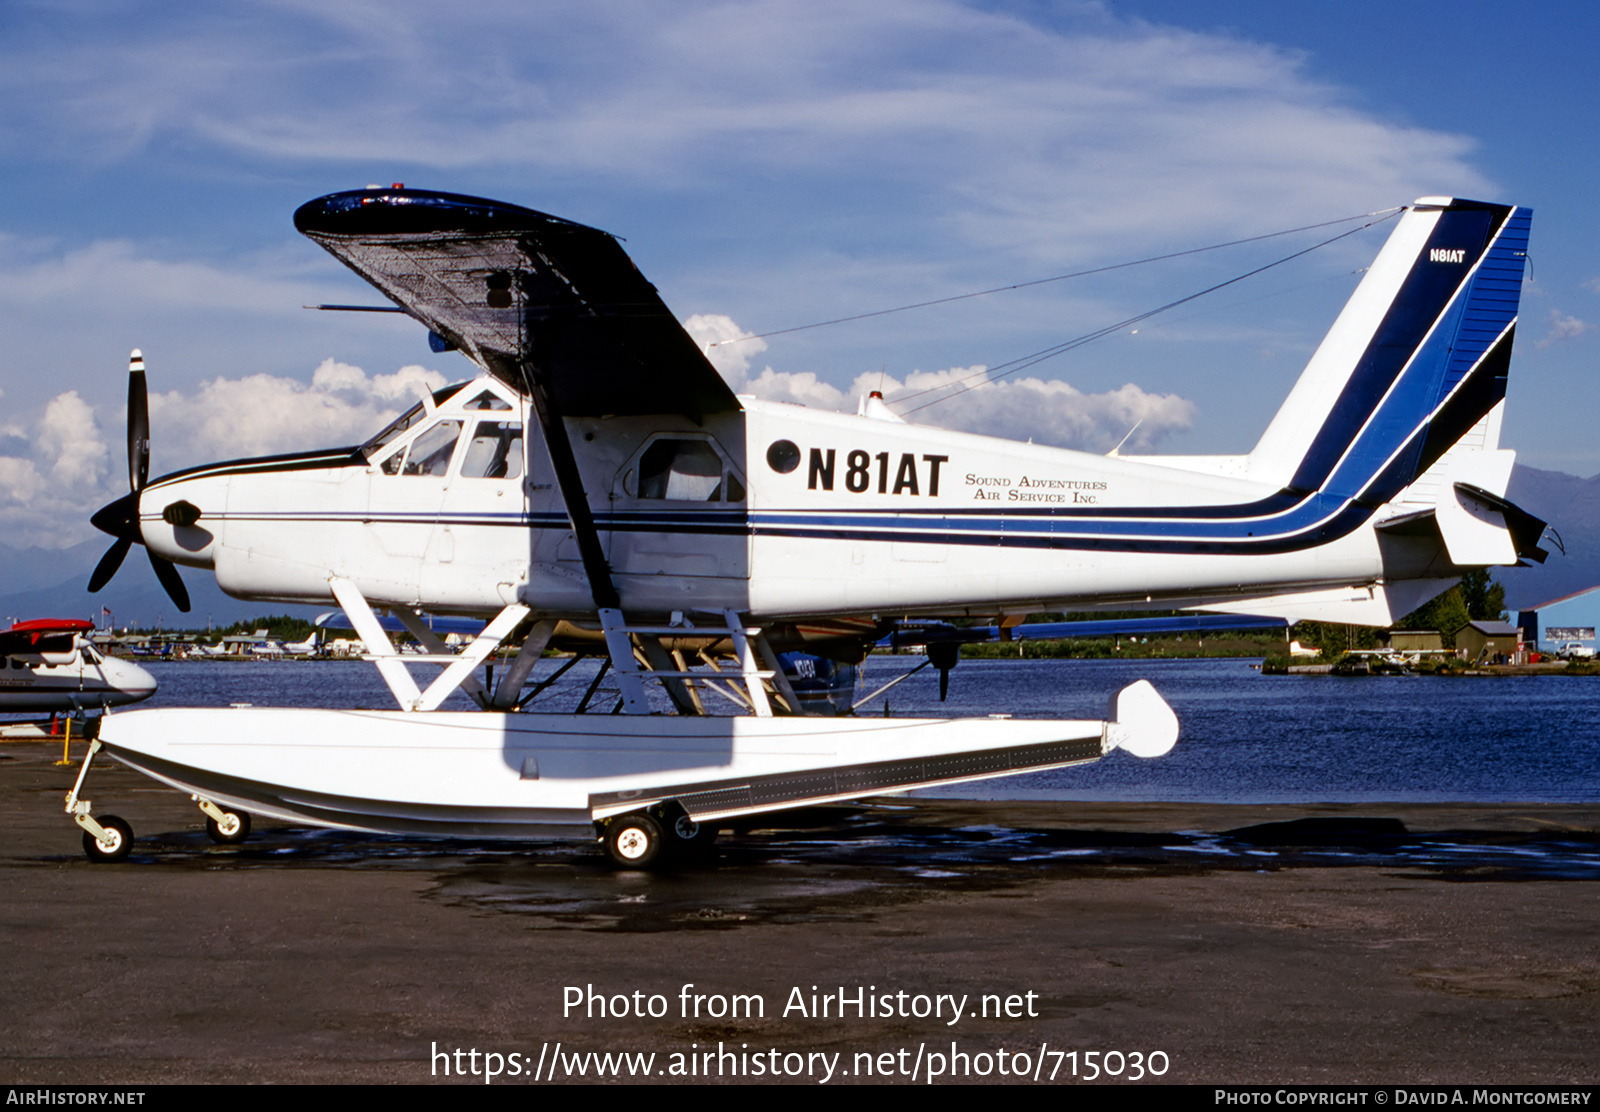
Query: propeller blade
[120, 518]
[138, 424]
[109, 563]
[168, 574]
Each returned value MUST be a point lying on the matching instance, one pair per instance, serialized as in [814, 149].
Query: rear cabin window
[686, 471]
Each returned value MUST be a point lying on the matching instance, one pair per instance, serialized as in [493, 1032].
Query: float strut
[79, 808]
[210, 808]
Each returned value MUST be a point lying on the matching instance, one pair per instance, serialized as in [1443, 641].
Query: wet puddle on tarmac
[850, 864]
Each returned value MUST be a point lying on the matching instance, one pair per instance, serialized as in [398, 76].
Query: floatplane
[599, 486]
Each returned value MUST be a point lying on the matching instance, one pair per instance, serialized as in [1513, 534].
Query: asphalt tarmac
[1379, 943]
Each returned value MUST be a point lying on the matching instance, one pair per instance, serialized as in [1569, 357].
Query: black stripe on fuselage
[328, 458]
[1341, 524]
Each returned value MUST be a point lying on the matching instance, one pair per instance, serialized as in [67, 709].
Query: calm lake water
[1245, 737]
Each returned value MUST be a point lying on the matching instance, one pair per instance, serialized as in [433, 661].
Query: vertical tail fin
[1416, 361]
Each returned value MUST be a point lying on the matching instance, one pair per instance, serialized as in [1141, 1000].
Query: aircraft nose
[121, 520]
[134, 682]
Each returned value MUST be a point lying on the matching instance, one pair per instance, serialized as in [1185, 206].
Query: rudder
[1416, 360]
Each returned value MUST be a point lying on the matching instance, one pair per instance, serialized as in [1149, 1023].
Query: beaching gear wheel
[634, 841]
[121, 841]
[233, 829]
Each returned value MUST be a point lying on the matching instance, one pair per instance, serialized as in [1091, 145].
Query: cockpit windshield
[407, 420]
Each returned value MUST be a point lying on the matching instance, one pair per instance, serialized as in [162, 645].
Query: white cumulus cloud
[729, 347]
[260, 414]
[1562, 327]
[71, 441]
[968, 400]
[53, 474]
[799, 388]
[1042, 410]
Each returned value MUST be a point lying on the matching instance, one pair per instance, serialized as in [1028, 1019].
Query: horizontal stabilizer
[1378, 604]
[1522, 529]
[1474, 531]
[1478, 528]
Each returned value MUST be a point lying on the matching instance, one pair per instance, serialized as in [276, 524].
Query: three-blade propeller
[121, 518]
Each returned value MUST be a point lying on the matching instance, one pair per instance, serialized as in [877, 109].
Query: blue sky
[769, 165]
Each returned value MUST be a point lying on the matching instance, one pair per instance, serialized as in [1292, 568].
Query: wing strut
[568, 479]
[393, 667]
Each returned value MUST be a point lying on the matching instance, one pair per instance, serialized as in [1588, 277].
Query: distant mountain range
[1572, 507]
[50, 583]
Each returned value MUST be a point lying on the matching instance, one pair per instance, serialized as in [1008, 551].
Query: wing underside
[525, 295]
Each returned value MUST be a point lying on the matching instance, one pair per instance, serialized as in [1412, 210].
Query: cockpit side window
[431, 451]
[494, 452]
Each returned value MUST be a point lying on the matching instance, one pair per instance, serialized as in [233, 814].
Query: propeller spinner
[121, 518]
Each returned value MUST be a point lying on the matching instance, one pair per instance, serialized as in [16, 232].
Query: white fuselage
[778, 512]
[82, 679]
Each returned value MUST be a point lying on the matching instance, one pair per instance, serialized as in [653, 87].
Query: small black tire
[635, 841]
[234, 828]
[122, 841]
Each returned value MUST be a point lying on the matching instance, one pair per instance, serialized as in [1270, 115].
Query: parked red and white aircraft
[49, 664]
[599, 483]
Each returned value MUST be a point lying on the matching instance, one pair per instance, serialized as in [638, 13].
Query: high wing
[531, 297]
[42, 635]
